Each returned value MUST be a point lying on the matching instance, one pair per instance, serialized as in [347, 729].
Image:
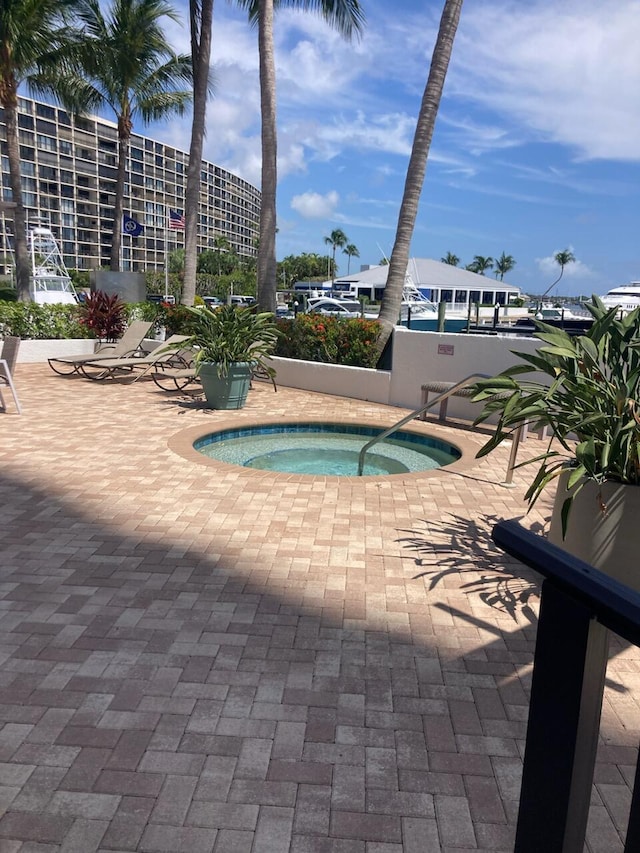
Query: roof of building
[425, 272]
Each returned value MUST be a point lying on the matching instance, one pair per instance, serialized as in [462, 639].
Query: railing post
[515, 444]
[562, 734]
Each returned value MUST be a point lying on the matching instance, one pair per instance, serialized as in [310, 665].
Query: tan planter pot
[603, 529]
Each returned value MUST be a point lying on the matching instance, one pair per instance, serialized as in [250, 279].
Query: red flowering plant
[357, 342]
[104, 315]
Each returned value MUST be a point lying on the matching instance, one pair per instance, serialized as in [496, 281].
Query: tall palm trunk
[124, 133]
[392, 299]
[201, 18]
[267, 248]
[23, 267]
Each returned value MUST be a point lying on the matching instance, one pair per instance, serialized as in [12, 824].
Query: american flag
[176, 220]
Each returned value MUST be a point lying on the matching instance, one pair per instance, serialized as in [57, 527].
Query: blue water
[325, 449]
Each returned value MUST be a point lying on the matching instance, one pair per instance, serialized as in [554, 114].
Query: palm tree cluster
[89, 58]
[92, 56]
[339, 240]
[480, 264]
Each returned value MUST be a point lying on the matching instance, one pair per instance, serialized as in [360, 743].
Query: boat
[626, 297]
[346, 307]
[50, 280]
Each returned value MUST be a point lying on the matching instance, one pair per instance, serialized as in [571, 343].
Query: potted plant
[229, 344]
[588, 395]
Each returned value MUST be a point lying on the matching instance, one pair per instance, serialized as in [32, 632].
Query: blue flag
[130, 226]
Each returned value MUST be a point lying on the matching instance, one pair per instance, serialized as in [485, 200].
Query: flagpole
[166, 258]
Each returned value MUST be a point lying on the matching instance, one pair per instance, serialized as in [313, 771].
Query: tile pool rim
[183, 444]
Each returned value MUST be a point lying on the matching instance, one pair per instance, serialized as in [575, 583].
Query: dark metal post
[564, 716]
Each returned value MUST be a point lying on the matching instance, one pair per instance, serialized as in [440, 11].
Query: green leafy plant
[589, 401]
[104, 315]
[32, 321]
[330, 340]
[231, 335]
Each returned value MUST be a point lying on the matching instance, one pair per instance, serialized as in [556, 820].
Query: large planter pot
[603, 528]
[225, 392]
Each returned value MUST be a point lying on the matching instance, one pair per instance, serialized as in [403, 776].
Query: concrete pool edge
[182, 443]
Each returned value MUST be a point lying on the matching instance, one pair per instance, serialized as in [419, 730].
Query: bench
[441, 387]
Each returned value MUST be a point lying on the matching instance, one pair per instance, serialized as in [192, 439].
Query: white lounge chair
[8, 359]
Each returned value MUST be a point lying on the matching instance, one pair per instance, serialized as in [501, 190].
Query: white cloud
[565, 73]
[312, 205]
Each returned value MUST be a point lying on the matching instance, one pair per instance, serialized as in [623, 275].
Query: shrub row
[309, 337]
[32, 321]
[332, 340]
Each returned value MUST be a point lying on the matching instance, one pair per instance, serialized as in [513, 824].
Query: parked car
[158, 298]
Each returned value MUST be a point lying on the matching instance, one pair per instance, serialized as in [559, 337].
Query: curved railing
[468, 380]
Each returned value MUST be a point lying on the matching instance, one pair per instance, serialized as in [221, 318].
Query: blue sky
[536, 147]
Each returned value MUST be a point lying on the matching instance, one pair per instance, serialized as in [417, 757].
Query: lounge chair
[166, 354]
[8, 359]
[127, 346]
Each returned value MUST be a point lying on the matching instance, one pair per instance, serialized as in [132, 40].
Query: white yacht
[625, 296]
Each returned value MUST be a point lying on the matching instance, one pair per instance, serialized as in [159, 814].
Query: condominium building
[69, 168]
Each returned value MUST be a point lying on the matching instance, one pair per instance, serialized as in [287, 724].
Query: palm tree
[451, 259]
[392, 298]
[126, 65]
[34, 39]
[337, 240]
[480, 264]
[562, 258]
[503, 265]
[200, 23]
[350, 251]
[347, 17]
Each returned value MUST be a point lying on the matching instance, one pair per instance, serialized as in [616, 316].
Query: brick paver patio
[196, 658]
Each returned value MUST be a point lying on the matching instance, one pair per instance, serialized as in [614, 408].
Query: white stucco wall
[357, 382]
[31, 352]
[420, 357]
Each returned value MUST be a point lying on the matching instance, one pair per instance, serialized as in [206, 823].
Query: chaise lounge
[129, 344]
[166, 354]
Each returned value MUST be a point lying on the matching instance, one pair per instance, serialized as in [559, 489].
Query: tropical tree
[176, 261]
[302, 267]
[392, 298]
[480, 264]
[562, 259]
[126, 65]
[350, 251]
[451, 259]
[347, 17]
[34, 42]
[200, 26]
[337, 240]
[503, 265]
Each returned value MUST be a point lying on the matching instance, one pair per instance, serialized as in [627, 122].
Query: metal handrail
[444, 396]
